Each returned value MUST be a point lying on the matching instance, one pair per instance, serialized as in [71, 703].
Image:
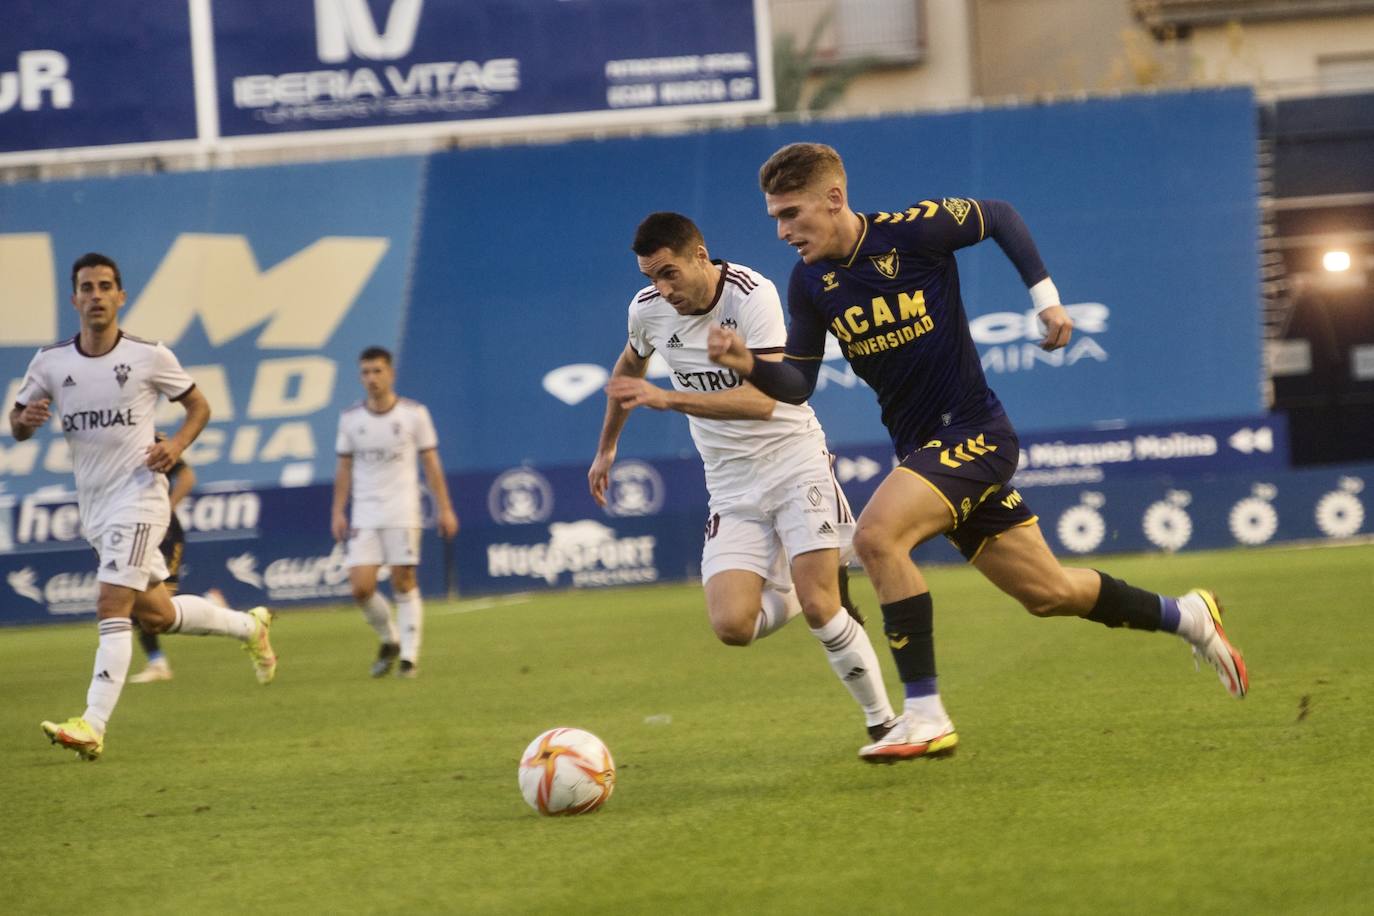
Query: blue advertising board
[79, 74]
[266, 283]
[302, 66]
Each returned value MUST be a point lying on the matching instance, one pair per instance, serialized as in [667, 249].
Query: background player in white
[774, 502]
[104, 385]
[379, 440]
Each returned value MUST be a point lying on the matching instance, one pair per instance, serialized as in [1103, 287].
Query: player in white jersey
[777, 521]
[379, 440]
[104, 384]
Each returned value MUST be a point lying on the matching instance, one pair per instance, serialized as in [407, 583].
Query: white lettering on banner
[346, 27]
[311, 376]
[1012, 339]
[1061, 454]
[294, 578]
[587, 549]
[38, 73]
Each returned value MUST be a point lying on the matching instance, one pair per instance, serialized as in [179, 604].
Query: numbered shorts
[383, 547]
[791, 505]
[970, 469]
[129, 555]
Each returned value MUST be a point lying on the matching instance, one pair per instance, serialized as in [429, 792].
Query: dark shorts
[171, 548]
[970, 468]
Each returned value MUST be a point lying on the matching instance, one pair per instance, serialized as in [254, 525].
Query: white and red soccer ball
[566, 771]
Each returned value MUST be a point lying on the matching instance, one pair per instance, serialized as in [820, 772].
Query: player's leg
[364, 558]
[1020, 563]
[158, 667]
[734, 599]
[410, 618]
[192, 615]
[85, 734]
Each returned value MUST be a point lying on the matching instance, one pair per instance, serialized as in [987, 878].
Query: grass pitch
[1098, 773]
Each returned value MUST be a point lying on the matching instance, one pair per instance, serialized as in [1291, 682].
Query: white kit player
[103, 385]
[378, 444]
[777, 521]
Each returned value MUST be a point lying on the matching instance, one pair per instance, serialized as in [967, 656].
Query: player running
[887, 286]
[777, 517]
[103, 385]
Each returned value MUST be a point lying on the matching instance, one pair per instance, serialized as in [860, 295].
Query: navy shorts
[970, 469]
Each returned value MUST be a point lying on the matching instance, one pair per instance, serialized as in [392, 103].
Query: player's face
[687, 281]
[378, 376]
[810, 221]
[97, 297]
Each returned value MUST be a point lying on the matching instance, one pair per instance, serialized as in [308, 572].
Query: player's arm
[164, 455]
[438, 487]
[789, 377]
[743, 402]
[629, 365]
[183, 482]
[27, 419]
[1005, 226]
[343, 485]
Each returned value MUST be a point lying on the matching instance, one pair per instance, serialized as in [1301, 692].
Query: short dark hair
[666, 230]
[797, 165]
[381, 353]
[96, 259]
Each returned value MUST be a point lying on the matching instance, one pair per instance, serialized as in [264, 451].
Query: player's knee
[871, 543]
[734, 631]
[362, 591]
[1046, 597]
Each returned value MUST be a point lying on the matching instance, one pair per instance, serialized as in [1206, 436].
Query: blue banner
[329, 64]
[78, 74]
[266, 283]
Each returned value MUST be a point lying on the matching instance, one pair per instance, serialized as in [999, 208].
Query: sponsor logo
[813, 495]
[730, 323]
[83, 420]
[1082, 527]
[345, 28]
[520, 496]
[634, 488]
[1010, 341]
[122, 373]
[295, 578]
[39, 74]
[825, 528]
[588, 552]
[673, 343]
[1254, 520]
[1340, 513]
[828, 279]
[25, 584]
[1167, 524]
[64, 593]
[887, 264]
[69, 383]
[958, 208]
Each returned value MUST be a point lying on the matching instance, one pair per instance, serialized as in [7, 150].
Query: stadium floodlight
[1336, 261]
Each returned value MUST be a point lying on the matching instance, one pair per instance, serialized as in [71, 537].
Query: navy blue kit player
[886, 285]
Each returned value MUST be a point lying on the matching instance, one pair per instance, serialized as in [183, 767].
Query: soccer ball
[566, 771]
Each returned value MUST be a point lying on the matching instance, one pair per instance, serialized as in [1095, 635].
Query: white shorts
[383, 547]
[129, 555]
[791, 505]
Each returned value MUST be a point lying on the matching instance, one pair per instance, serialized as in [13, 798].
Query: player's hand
[35, 413]
[163, 456]
[448, 523]
[1058, 327]
[726, 348]
[599, 476]
[630, 392]
[338, 526]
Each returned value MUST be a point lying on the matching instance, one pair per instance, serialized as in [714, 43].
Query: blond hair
[799, 165]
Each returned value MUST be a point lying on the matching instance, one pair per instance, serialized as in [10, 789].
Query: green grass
[1098, 773]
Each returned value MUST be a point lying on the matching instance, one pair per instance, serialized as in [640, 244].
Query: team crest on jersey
[958, 208]
[829, 280]
[122, 373]
[729, 323]
[886, 263]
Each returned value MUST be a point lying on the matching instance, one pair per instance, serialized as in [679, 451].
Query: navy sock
[909, 625]
[1122, 605]
[1168, 614]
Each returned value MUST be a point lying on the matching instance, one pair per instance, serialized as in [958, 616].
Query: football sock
[925, 706]
[198, 617]
[112, 657]
[853, 660]
[778, 608]
[377, 610]
[909, 625]
[149, 643]
[1122, 605]
[410, 617]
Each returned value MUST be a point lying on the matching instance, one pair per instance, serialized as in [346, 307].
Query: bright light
[1336, 261]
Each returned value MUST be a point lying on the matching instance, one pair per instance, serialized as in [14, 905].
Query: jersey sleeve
[343, 445]
[425, 436]
[639, 334]
[761, 322]
[34, 386]
[941, 226]
[806, 328]
[168, 376]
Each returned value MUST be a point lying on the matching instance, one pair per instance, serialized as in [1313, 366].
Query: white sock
[112, 657]
[853, 660]
[778, 608]
[1192, 612]
[410, 619]
[928, 707]
[198, 617]
[377, 610]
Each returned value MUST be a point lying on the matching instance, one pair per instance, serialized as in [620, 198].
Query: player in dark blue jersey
[886, 285]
